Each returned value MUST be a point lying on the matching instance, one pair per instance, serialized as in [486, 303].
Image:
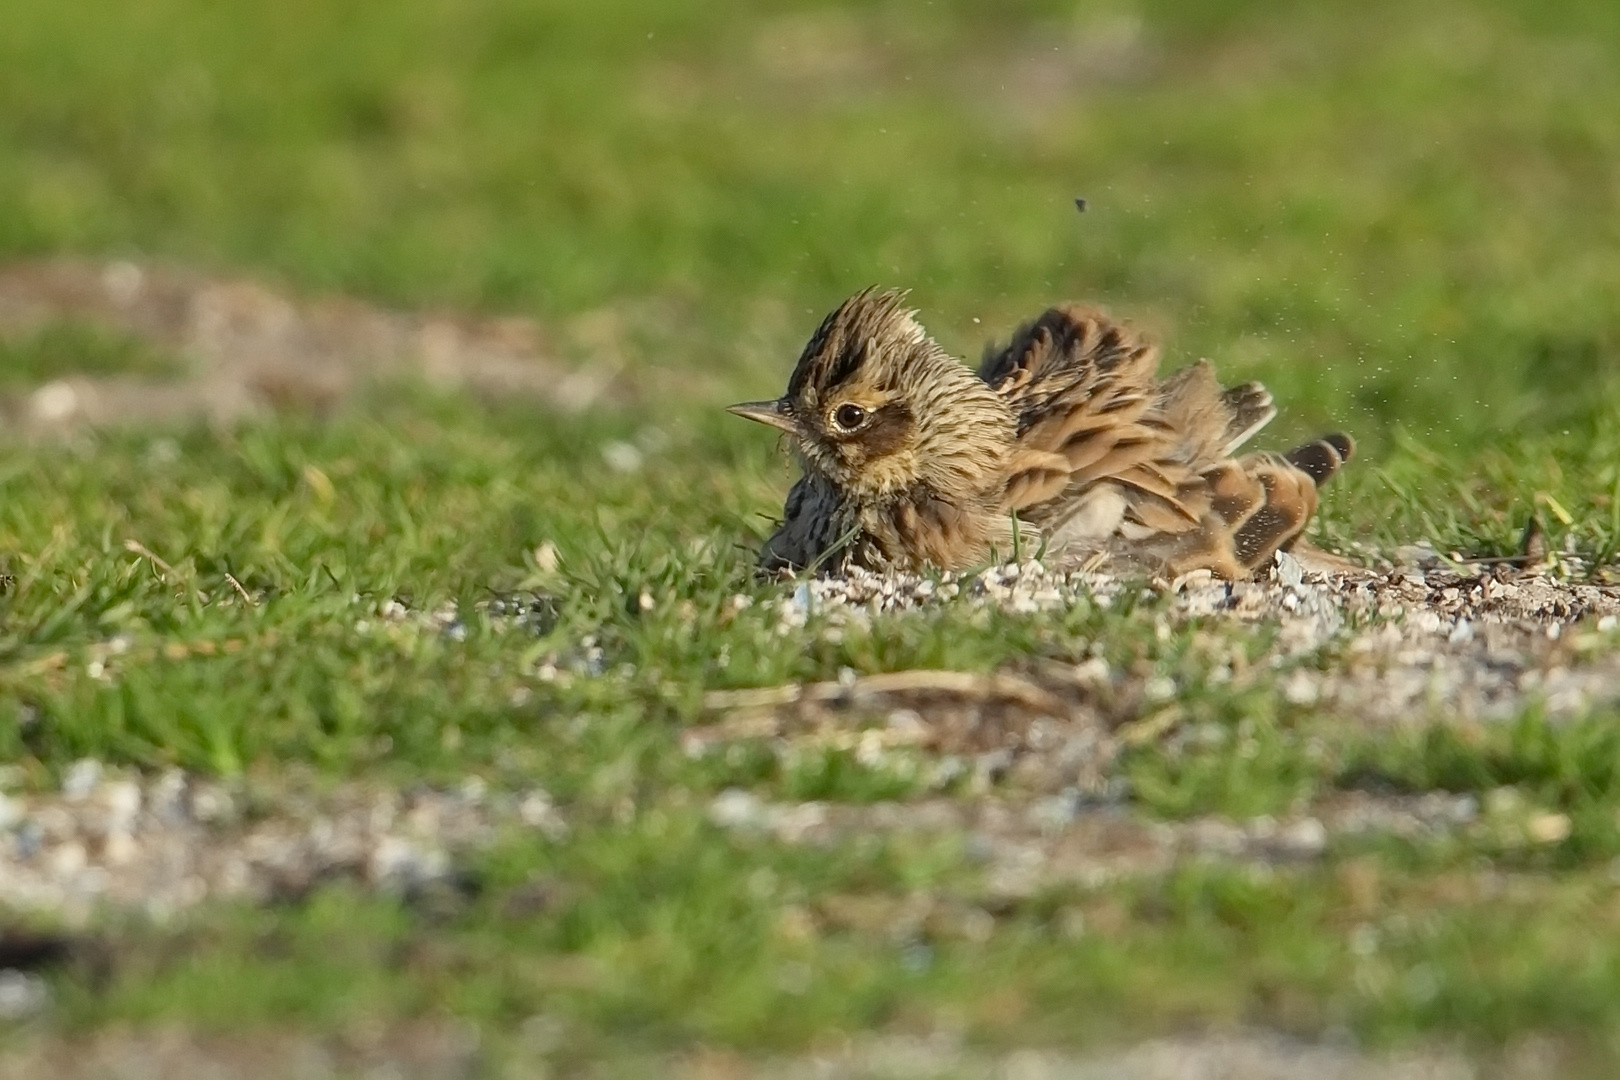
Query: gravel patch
[1231, 1057]
[164, 843]
[1428, 638]
[1029, 845]
[1029, 755]
[160, 845]
[420, 1051]
[428, 1051]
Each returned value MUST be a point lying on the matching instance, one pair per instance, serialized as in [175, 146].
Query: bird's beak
[777, 414]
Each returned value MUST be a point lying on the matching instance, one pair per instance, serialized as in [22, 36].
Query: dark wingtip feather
[1322, 458]
[1068, 343]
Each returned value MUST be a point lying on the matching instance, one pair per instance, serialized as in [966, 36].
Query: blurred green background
[1400, 215]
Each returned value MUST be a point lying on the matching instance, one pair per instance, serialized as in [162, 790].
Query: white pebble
[22, 995]
[81, 778]
[1301, 688]
[54, 402]
[68, 859]
[1159, 688]
[735, 808]
[119, 849]
[1307, 836]
[621, 457]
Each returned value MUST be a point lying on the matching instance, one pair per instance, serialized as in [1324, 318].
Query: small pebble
[1549, 828]
[22, 995]
[735, 808]
[81, 778]
[622, 457]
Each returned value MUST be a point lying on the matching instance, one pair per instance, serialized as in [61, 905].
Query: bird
[1064, 442]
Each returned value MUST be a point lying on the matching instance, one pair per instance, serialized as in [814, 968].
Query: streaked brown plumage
[1065, 438]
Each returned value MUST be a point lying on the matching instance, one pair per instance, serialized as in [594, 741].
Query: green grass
[72, 348]
[665, 933]
[1402, 217]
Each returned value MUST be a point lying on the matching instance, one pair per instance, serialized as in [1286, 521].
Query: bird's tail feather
[1321, 458]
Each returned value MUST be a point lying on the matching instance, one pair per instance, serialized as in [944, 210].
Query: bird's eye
[849, 417]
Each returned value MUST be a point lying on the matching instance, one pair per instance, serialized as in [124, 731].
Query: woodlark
[1065, 441]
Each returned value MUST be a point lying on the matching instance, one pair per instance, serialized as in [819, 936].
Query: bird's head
[877, 407]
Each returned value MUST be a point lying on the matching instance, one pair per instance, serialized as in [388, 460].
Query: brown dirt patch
[249, 349]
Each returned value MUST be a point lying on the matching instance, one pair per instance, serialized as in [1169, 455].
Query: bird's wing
[1089, 408]
[1082, 389]
[1107, 453]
